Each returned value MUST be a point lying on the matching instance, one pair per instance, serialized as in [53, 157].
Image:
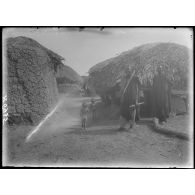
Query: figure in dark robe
[161, 97]
[130, 98]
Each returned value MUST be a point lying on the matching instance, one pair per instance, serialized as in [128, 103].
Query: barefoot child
[93, 109]
[83, 113]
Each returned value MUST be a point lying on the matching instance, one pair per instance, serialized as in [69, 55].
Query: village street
[61, 142]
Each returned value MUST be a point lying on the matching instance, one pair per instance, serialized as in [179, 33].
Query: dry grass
[145, 60]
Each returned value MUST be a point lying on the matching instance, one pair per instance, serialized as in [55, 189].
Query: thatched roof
[28, 43]
[69, 74]
[145, 60]
[62, 71]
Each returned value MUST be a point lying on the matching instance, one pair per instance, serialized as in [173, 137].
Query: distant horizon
[84, 49]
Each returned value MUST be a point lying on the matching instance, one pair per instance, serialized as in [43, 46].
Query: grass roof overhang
[174, 60]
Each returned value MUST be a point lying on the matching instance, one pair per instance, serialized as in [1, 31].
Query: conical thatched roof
[31, 84]
[62, 71]
[66, 73]
[145, 60]
[30, 43]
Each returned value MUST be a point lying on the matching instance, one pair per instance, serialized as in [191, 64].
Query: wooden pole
[127, 85]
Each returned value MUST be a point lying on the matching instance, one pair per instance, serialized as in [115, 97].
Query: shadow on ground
[170, 133]
[94, 132]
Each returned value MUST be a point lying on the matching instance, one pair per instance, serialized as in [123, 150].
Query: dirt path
[61, 142]
[63, 120]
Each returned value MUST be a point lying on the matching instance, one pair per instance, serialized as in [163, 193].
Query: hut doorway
[146, 108]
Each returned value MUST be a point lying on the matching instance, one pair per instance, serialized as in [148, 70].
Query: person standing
[161, 97]
[129, 101]
[93, 109]
[83, 113]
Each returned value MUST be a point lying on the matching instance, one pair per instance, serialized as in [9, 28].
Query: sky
[83, 49]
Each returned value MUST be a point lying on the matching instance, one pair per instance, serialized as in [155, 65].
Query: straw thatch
[145, 60]
[32, 89]
[66, 74]
[32, 69]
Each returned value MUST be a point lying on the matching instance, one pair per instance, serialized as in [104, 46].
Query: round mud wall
[32, 89]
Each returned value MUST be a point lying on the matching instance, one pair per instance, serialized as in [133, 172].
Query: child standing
[83, 113]
[93, 109]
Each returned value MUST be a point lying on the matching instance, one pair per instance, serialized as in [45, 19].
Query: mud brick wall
[32, 88]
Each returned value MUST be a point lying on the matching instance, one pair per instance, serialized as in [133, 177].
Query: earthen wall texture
[32, 89]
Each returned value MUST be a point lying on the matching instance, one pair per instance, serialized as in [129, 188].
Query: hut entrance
[146, 108]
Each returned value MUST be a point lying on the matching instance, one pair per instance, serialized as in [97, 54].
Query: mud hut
[174, 60]
[87, 87]
[32, 89]
[67, 79]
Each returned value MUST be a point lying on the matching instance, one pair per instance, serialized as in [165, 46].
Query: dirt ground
[61, 142]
